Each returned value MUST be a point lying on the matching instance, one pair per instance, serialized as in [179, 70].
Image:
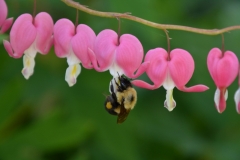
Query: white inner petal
[168, 83]
[73, 70]
[226, 95]
[72, 58]
[237, 98]
[72, 73]
[29, 61]
[115, 70]
[217, 97]
[169, 103]
[112, 82]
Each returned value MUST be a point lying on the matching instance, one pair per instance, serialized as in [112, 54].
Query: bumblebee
[122, 100]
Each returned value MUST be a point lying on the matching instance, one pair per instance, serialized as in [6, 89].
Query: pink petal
[181, 67]
[83, 40]
[6, 25]
[93, 60]
[104, 50]
[195, 88]
[64, 30]
[44, 25]
[22, 35]
[129, 54]
[143, 68]
[156, 70]
[223, 68]
[142, 84]
[3, 12]
[8, 48]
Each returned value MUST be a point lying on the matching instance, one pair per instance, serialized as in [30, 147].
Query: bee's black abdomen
[111, 105]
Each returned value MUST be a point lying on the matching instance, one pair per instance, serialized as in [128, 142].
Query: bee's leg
[120, 89]
[118, 74]
[114, 96]
[111, 87]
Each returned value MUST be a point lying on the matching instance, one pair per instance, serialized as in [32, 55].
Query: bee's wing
[122, 116]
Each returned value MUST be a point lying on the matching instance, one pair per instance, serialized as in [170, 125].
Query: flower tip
[171, 106]
[29, 64]
[220, 98]
[9, 49]
[27, 73]
[169, 103]
[202, 88]
[72, 73]
[72, 81]
[6, 25]
[220, 110]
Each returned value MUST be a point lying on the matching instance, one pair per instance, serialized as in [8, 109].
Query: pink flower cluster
[5, 24]
[118, 54]
[223, 68]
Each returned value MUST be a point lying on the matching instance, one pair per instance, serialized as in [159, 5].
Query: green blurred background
[44, 119]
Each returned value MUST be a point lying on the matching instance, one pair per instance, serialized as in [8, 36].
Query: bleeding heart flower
[223, 68]
[237, 95]
[169, 70]
[73, 43]
[28, 36]
[5, 24]
[118, 55]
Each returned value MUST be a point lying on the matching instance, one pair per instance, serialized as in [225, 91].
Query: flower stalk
[149, 23]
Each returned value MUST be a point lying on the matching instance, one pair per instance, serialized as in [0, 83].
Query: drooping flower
[237, 94]
[73, 43]
[119, 55]
[5, 24]
[171, 70]
[28, 36]
[223, 68]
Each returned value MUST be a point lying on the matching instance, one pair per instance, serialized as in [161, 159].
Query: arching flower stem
[149, 23]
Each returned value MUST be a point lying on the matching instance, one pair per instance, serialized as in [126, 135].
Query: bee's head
[124, 82]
